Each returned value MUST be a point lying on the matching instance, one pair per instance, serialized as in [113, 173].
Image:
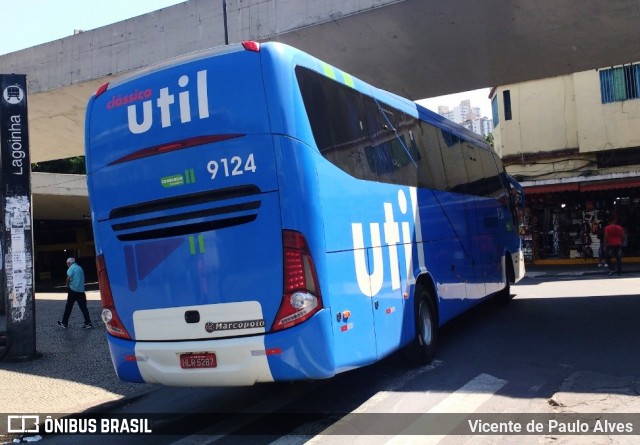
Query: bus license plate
[197, 361]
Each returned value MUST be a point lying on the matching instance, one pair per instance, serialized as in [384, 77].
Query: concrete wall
[565, 112]
[169, 32]
[604, 126]
[59, 196]
[543, 117]
[59, 184]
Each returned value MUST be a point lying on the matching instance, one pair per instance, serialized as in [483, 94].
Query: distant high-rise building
[468, 116]
[482, 126]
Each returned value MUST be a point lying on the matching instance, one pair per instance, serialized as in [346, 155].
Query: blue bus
[260, 215]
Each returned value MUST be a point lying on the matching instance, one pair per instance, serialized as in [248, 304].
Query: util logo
[394, 233]
[166, 103]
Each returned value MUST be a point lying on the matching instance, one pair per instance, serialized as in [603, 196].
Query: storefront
[562, 219]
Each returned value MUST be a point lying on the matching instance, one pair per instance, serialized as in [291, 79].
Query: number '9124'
[233, 166]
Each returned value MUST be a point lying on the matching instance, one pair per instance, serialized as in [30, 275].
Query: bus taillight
[109, 315]
[301, 297]
[102, 89]
[250, 45]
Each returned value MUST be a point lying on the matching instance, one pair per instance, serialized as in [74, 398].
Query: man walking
[75, 285]
[613, 236]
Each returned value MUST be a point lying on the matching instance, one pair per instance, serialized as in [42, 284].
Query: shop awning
[609, 185]
[552, 188]
[583, 186]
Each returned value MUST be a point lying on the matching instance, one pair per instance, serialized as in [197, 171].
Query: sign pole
[17, 222]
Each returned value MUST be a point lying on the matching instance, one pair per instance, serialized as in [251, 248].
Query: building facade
[61, 228]
[573, 142]
[482, 126]
[468, 116]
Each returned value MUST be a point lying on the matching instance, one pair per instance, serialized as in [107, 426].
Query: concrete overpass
[416, 48]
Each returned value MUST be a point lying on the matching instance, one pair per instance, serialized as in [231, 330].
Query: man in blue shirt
[75, 284]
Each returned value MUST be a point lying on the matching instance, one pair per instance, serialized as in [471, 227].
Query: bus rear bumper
[302, 352]
[239, 362]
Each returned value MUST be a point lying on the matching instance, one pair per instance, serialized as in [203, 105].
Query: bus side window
[454, 164]
[482, 172]
[493, 186]
[380, 133]
[390, 153]
[473, 164]
[336, 117]
[431, 172]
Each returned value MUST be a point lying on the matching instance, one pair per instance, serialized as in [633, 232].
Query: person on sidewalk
[613, 237]
[75, 286]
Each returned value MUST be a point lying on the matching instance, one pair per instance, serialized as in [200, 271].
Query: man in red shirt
[613, 236]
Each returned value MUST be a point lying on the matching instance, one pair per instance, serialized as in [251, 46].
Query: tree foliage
[73, 165]
[489, 139]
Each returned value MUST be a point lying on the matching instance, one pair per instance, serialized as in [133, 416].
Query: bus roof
[299, 57]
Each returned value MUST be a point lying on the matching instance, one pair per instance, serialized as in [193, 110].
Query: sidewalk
[72, 371]
[578, 270]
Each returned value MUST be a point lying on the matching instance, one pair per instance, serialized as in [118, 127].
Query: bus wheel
[504, 296]
[424, 347]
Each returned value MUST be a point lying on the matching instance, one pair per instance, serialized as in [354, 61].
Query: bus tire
[504, 296]
[424, 345]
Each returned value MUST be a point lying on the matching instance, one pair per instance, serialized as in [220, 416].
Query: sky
[28, 23]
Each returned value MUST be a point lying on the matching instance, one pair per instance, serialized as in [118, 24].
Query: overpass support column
[17, 222]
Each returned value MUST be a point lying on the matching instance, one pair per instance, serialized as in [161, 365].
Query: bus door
[498, 221]
[477, 216]
[456, 206]
[489, 215]
[387, 304]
